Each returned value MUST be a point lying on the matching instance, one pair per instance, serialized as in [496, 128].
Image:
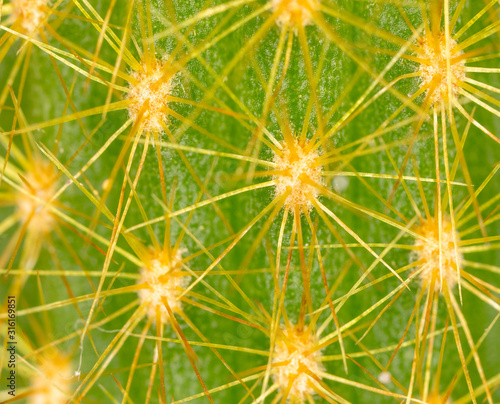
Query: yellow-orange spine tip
[435, 398]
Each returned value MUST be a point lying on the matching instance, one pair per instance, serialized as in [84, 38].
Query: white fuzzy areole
[42, 186]
[295, 12]
[163, 278]
[428, 251]
[52, 384]
[151, 86]
[297, 348]
[30, 13]
[296, 166]
[433, 51]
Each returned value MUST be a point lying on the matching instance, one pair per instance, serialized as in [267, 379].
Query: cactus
[249, 201]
